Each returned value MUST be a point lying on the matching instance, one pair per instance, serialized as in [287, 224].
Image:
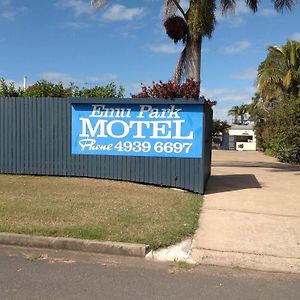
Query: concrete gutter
[127, 249]
[265, 263]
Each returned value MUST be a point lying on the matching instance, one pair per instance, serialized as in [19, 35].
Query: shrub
[169, 90]
[45, 88]
[108, 91]
[285, 140]
[9, 89]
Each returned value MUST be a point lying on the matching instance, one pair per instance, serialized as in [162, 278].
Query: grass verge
[97, 209]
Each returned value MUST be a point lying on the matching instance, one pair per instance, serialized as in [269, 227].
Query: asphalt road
[43, 274]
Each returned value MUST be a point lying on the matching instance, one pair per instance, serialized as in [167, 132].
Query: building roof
[241, 127]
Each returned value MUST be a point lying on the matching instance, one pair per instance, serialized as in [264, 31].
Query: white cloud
[76, 25]
[185, 4]
[248, 74]
[241, 11]
[241, 8]
[221, 113]
[133, 88]
[79, 7]
[102, 78]
[7, 12]
[120, 12]
[165, 48]
[296, 36]
[57, 76]
[5, 2]
[226, 98]
[89, 80]
[237, 47]
[267, 12]
[8, 15]
[234, 17]
[223, 95]
[17, 84]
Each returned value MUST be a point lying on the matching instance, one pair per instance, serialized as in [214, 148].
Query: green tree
[45, 88]
[108, 91]
[243, 112]
[220, 127]
[239, 113]
[275, 109]
[234, 112]
[200, 19]
[9, 89]
[284, 131]
[259, 113]
[197, 22]
[279, 73]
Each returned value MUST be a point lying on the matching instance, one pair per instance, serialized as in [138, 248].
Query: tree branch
[180, 8]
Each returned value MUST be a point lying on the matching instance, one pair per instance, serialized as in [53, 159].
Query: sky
[125, 43]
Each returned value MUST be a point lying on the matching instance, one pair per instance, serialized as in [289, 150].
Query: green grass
[33, 257]
[269, 152]
[97, 209]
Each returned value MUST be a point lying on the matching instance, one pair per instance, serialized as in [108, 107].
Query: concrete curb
[127, 249]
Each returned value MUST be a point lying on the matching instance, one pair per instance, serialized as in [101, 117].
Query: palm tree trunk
[236, 119]
[189, 63]
[242, 118]
[193, 59]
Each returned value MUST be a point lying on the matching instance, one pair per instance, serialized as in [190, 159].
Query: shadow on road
[227, 183]
[274, 167]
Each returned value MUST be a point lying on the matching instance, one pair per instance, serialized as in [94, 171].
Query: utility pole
[25, 83]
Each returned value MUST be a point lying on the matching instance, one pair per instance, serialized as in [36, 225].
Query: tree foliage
[220, 127]
[9, 89]
[284, 142]
[200, 19]
[275, 109]
[169, 90]
[45, 88]
[191, 25]
[279, 74]
[239, 113]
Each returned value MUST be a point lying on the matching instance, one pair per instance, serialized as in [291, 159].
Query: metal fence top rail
[189, 101]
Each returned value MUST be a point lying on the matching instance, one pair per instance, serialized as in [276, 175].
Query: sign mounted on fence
[157, 130]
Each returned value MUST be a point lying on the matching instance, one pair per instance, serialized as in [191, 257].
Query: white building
[244, 137]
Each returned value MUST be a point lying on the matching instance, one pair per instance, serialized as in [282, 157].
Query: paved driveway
[251, 214]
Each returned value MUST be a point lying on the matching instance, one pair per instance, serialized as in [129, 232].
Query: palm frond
[227, 5]
[252, 4]
[288, 79]
[280, 5]
[180, 70]
[170, 8]
[98, 4]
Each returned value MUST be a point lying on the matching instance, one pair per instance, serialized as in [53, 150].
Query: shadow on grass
[227, 183]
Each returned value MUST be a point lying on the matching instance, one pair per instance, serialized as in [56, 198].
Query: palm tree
[243, 112]
[269, 77]
[239, 113]
[199, 20]
[280, 71]
[219, 127]
[234, 111]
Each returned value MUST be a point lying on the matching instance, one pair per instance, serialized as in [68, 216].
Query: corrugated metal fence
[35, 135]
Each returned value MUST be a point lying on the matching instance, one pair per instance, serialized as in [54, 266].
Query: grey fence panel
[35, 135]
